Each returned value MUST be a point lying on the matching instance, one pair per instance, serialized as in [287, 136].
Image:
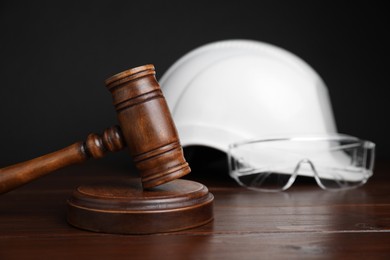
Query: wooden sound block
[125, 208]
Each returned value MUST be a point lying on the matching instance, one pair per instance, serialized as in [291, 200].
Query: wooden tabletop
[303, 222]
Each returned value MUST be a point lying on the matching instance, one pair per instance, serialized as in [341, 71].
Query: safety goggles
[337, 162]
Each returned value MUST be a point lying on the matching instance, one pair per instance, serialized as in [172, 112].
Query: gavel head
[147, 126]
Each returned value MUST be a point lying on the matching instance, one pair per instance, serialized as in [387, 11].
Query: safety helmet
[234, 90]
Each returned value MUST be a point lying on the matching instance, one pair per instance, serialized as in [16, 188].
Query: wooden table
[304, 222]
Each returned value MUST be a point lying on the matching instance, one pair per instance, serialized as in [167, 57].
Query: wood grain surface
[303, 223]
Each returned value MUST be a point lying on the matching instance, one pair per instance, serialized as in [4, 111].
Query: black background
[55, 56]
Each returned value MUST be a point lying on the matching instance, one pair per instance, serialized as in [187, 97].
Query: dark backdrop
[55, 56]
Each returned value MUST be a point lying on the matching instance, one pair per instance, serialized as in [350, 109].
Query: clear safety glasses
[335, 161]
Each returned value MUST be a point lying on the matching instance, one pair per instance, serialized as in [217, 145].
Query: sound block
[125, 208]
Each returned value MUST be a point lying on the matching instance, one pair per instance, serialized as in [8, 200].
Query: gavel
[145, 127]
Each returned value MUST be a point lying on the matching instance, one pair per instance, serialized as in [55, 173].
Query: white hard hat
[234, 90]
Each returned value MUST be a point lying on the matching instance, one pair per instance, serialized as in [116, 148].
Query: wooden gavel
[145, 127]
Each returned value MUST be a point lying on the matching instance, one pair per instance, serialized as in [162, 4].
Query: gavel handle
[95, 146]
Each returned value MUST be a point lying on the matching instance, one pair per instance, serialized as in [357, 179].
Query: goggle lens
[336, 162]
